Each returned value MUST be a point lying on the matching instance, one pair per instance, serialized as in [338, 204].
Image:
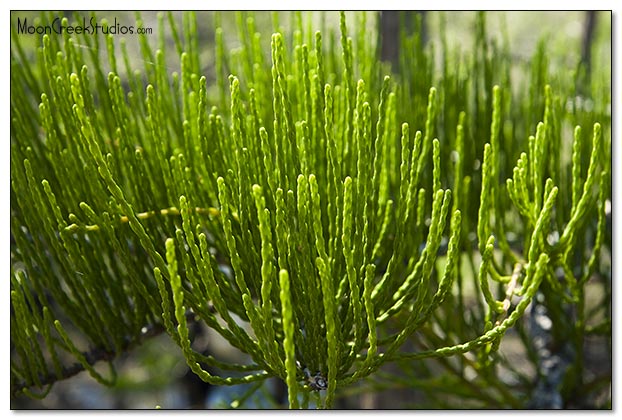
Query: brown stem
[98, 355]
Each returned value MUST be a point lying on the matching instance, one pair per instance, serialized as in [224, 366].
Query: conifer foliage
[322, 215]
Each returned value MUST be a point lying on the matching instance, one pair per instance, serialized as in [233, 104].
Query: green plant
[296, 212]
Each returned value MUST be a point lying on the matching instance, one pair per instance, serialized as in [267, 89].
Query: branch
[98, 355]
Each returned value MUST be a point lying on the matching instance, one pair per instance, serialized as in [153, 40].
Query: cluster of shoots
[295, 203]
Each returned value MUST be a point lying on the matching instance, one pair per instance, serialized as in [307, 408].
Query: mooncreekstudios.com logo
[87, 27]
